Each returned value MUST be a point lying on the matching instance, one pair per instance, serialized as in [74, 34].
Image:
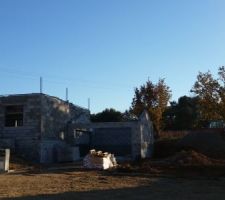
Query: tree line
[207, 104]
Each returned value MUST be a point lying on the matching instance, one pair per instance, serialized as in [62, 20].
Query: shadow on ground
[161, 189]
[132, 193]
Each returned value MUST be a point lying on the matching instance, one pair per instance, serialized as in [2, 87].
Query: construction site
[177, 170]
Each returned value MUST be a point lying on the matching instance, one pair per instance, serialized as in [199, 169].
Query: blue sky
[103, 49]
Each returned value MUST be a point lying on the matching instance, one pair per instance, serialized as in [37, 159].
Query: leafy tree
[182, 115]
[107, 115]
[187, 113]
[128, 116]
[169, 116]
[154, 98]
[221, 91]
[211, 95]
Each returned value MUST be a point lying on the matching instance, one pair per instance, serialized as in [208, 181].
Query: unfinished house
[129, 140]
[35, 126]
[46, 129]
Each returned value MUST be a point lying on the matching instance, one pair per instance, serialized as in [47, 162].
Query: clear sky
[103, 49]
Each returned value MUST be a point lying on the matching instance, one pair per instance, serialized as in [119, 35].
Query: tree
[128, 116]
[154, 98]
[182, 115]
[187, 113]
[210, 94]
[221, 91]
[169, 116]
[107, 115]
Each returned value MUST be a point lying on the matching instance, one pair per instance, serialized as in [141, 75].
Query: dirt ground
[184, 175]
[80, 184]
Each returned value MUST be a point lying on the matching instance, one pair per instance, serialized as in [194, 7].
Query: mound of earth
[192, 158]
[211, 144]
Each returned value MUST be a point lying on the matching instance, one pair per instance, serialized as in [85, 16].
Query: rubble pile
[99, 160]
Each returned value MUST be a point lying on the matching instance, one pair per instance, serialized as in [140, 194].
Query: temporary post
[42, 124]
[66, 94]
[40, 85]
[89, 104]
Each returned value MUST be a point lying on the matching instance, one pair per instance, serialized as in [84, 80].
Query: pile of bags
[99, 160]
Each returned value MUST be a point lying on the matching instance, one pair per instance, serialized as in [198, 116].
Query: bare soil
[128, 182]
[184, 175]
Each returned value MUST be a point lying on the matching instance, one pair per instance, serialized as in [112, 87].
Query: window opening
[14, 116]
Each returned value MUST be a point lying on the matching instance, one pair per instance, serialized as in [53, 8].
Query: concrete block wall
[52, 151]
[120, 138]
[56, 114]
[112, 139]
[147, 135]
[23, 139]
[136, 141]
[82, 138]
[44, 118]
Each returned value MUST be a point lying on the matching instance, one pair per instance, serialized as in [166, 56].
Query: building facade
[35, 125]
[132, 140]
[47, 129]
